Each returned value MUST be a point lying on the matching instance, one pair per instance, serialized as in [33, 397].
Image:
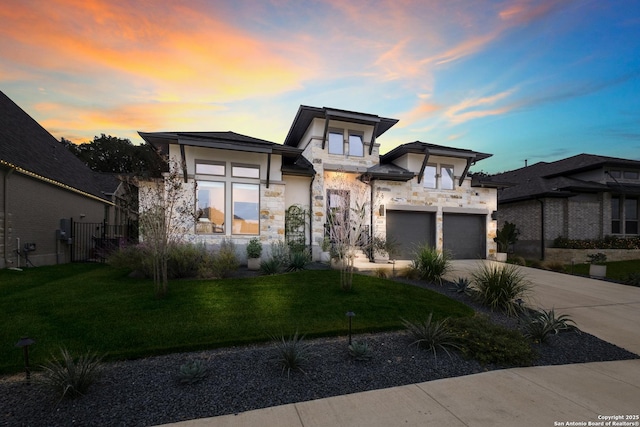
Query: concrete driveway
[607, 310]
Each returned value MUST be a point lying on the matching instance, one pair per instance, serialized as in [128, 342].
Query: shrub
[506, 236]
[298, 260]
[70, 377]
[410, 273]
[517, 260]
[184, 260]
[608, 242]
[254, 248]
[220, 263]
[489, 343]
[292, 353]
[535, 263]
[632, 279]
[360, 351]
[461, 286]
[431, 264]
[432, 335]
[500, 287]
[192, 372]
[597, 258]
[132, 257]
[381, 273]
[555, 266]
[270, 266]
[539, 325]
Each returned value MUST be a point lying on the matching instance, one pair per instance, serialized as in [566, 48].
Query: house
[581, 197]
[44, 188]
[418, 192]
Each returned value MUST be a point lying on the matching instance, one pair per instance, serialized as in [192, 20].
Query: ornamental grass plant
[501, 287]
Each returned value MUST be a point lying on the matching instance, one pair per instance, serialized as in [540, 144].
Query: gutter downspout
[313, 177]
[371, 219]
[5, 205]
[541, 228]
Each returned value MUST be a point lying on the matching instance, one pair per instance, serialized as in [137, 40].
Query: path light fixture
[350, 315]
[24, 344]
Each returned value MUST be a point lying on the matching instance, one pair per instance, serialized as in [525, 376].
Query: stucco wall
[35, 209]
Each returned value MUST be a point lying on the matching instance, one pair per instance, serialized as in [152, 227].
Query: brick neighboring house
[419, 192]
[41, 182]
[581, 197]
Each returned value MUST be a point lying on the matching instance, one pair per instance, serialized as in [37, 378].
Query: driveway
[607, 310]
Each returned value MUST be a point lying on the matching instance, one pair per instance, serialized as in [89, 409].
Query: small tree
[167, 208]
[346, 223]
[506, 236]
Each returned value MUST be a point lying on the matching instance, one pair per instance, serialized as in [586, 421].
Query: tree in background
[167, 213]
[108, 153]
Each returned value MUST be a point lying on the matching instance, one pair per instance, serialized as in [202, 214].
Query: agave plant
[461, 286]
[192, 372]
[539, 325]
[360, 351]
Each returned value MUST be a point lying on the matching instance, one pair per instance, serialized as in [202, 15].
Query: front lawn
[96, 307]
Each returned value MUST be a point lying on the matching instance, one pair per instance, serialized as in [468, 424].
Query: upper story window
[429, 180]
[245, 171]
[336, 142]
[446, 177]
[211, 168]
[356, 145]
[630, 174]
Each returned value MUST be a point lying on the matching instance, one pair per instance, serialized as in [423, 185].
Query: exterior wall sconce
[24, 344]
[350, 315]
[494, 215]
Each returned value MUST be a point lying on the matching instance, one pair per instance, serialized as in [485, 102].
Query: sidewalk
[535, 396]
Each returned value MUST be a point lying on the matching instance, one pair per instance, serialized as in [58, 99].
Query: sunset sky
[521, 79]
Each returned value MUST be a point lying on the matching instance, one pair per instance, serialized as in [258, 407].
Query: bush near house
[608, 242]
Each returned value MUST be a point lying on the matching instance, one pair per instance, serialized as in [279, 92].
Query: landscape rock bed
[147, 391]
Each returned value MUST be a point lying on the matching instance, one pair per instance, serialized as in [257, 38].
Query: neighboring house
[41, 183]
[419, 192]
[580, 197]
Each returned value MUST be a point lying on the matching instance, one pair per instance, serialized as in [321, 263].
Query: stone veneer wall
[413, 196]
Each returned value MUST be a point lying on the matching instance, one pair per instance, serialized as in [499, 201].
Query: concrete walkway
[536, 396]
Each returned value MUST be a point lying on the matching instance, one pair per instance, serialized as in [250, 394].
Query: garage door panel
[464, 236]
[409, 230]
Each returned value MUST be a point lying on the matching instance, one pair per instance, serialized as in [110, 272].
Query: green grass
[616, 270]
[96, 307]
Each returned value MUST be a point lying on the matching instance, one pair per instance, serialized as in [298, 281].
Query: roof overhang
[306, 114]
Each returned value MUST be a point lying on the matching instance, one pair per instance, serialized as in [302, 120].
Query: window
[356, 146]
[429, 178]
[245, 171]
[210, 169]
[631, 216]
[246, 208]
[210, 207]
[615, 174]
[336, 143]
[630, 175]
[338, 203]
[615, 215]
[446, 177]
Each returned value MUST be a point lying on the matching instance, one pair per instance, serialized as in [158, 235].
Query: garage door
[464, 236]
[410, 229]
